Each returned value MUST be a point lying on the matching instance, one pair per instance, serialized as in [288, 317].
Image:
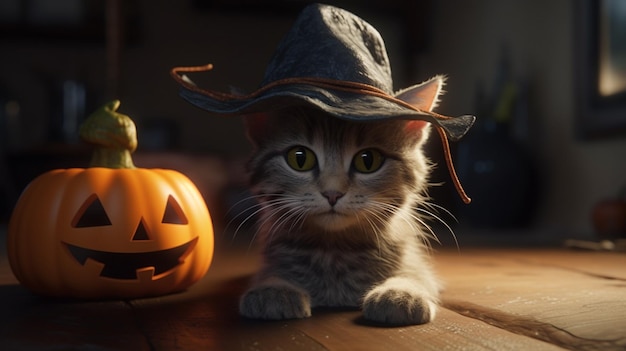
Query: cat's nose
[333, 196]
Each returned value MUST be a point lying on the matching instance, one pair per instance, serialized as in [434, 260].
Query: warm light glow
[612, 50]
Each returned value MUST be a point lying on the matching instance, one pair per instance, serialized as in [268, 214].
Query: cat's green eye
[368, 161]
[301, 159]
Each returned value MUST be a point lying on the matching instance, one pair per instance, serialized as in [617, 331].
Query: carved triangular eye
[91, 214]
[173, 213]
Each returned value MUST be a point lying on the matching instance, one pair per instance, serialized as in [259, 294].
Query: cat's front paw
[276, 301]
[393, 305]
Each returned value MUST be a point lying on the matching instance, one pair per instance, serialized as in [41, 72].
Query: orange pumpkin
[105, 232]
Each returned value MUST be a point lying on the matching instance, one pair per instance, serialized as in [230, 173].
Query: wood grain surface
[494, 299]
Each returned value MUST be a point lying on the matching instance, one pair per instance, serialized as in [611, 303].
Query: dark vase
[497, 174]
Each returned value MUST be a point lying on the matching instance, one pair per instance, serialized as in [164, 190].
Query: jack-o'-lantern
[111, 230]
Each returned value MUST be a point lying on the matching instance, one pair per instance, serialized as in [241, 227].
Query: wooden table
[495, 298]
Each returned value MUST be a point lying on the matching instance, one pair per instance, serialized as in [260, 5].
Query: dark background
[528, 164]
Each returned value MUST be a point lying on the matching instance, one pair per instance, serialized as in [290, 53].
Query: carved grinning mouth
[118, 265]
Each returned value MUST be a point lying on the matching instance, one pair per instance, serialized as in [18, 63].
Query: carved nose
[141, 233]
[332, 196]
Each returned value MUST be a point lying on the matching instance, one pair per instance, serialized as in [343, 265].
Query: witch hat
[334, 61]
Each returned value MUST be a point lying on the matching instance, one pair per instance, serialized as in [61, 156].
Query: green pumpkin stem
[114, 136]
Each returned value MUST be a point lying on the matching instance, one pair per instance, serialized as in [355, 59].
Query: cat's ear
[424, 96]
[415, 127]
[256, 127]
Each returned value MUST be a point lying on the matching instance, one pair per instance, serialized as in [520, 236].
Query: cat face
[310, 169]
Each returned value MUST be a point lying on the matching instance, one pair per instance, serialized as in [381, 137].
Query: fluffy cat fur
[333, 235]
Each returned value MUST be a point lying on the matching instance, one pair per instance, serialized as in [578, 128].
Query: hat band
[325, 83]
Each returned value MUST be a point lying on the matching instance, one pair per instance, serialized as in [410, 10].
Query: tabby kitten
[340, 214]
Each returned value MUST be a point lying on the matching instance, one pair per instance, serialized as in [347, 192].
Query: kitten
[342, 214]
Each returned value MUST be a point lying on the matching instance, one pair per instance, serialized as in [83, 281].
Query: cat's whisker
[247, 209]
[244, 221]
[426, 233]
[284, 218]
[279, 212]
[410, 219]
[440, 220]
[256, 208]
[387, 210]
[259, 208]
[259, 229]
[299, 220]
[374, 228]
[435, 207]
[429, 235]
[247, 198]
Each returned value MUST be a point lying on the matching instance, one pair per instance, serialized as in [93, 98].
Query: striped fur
[368, 250]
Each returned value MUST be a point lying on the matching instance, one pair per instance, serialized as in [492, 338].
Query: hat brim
[341, 104]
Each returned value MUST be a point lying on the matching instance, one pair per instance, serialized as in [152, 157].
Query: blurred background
[546, 80]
